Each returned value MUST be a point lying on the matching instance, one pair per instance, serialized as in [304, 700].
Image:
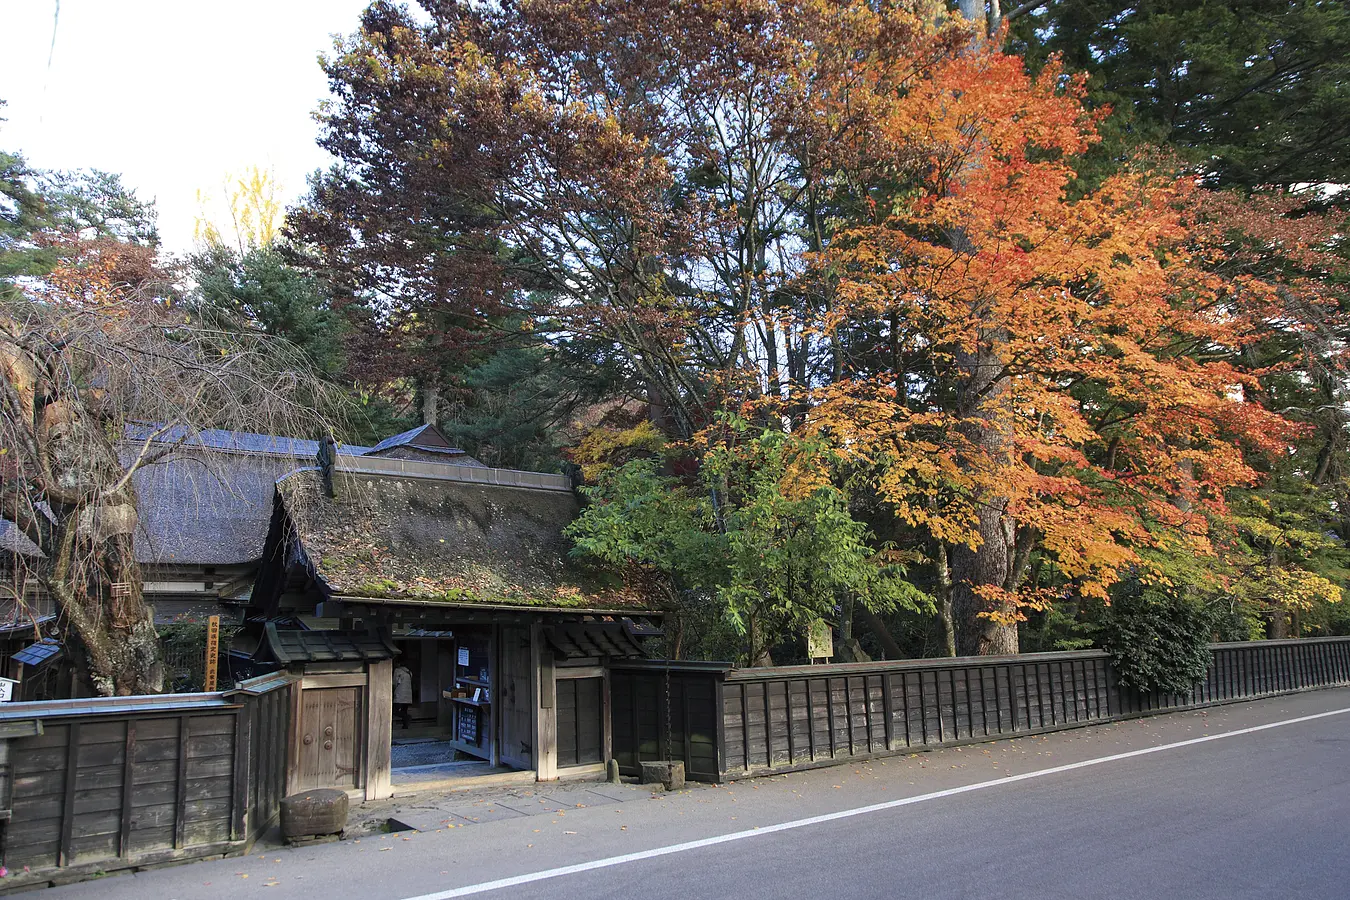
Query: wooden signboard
[212, 652]
[819, 640]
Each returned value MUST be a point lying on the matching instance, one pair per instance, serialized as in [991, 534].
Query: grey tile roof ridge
[406, 438]
[247, 442]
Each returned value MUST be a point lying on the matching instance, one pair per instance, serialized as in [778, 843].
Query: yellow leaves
[252, 213]
[605, 447]
[1299, 589]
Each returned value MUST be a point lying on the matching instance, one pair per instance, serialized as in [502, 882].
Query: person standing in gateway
[403, 695]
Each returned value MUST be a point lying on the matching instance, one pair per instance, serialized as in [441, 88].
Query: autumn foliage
[865, 227]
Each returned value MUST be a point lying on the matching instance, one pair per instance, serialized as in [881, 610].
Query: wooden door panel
[514, 699]
[330, 738]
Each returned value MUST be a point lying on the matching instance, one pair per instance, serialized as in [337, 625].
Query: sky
[172, 94]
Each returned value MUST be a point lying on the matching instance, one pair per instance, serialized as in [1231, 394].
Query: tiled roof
[411, 438]
[288, 646]
[43, 651]
[576, 640]
[246, 442]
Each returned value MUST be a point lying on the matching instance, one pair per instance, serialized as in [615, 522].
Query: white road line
[514, 881]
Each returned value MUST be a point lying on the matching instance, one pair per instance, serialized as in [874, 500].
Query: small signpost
[212, 652]
[819, 640]
[7, 686]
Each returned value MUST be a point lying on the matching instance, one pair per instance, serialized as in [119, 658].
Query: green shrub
[1157, 640]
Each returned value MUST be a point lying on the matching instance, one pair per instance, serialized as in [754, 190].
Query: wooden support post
[492, 714]
[379, 729]
[887, 710]
[239, 789]
[294, 734]
[546, 712]
[607, 721]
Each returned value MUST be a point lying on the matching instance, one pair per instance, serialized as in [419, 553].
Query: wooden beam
[293, 745]
[336, 680]
[546, 712]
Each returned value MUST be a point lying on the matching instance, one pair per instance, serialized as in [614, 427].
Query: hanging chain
[668, 749]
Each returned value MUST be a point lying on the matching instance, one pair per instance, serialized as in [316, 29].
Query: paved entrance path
[1262, 812]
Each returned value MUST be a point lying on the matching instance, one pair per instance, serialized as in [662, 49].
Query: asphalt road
[1186, 805]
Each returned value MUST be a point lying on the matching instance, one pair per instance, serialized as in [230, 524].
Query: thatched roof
[198, 509]
[441, 540]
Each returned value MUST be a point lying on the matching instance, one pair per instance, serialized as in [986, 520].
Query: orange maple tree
[1059, 369]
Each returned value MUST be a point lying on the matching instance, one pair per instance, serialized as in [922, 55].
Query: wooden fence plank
[68, 806]
[180, 799]
[128, 759]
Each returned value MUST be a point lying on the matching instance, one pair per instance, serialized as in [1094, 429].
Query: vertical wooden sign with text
[212, 652]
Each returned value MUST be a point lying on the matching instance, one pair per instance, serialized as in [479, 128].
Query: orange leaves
[1070, 362]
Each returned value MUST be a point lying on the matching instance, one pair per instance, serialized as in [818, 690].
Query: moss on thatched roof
[392, 538]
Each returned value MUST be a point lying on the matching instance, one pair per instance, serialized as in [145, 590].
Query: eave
[347, 599]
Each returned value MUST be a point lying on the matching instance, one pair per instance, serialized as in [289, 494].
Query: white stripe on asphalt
[608, 862]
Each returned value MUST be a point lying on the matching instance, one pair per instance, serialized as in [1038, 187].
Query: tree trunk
[883, 634]
[94, 575]
[985, 567]
[982, 401]
[989, 566]
[944, 582]
[759, 651]
[431, 400]
[1278, 626]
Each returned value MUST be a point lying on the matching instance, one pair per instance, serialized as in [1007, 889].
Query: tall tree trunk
[759, 650]
[430, 389]
[983, 394]
[989, 566]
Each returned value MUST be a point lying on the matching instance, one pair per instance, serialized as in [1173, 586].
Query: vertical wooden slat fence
[116, 783]
[794, 717]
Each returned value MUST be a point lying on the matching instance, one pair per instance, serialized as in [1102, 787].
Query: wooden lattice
[120, 593]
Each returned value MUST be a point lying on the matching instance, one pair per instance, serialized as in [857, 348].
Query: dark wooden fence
[794, 717]
[127, 782]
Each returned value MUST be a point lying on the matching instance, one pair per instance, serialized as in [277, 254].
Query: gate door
[515, 699]
[329, 738]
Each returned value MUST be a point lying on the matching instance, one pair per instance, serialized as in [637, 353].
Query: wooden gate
[329, 738]
[515, 699]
